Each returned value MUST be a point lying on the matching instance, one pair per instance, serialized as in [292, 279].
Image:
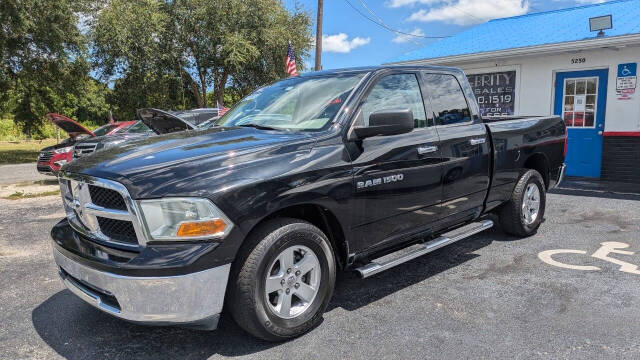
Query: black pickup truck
[359, 169]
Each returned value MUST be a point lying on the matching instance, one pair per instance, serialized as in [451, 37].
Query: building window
[580, 97]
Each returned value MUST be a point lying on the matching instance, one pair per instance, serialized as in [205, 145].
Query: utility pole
[319, 37]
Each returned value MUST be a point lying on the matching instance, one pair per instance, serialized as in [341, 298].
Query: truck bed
[523, 142]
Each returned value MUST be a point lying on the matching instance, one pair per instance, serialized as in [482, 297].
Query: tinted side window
[392, 92]
[447, 99]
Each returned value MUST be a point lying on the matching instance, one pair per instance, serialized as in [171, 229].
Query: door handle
[477, 141]
[427, 149]
[600, 132]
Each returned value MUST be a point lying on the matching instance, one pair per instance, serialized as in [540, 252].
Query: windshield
[297, 103]
[103, 130]
[196, 117]
[209, 123]
[138, 127]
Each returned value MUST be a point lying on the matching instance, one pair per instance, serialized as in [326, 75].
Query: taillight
[566, 142]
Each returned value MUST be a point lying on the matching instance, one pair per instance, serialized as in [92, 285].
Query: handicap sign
[626, 79]
[628, 69]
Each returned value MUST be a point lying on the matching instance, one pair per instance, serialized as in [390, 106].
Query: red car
[53, 157]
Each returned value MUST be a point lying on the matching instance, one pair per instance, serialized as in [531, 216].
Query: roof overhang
[594, 43]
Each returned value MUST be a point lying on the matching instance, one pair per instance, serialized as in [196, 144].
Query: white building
[552, 63]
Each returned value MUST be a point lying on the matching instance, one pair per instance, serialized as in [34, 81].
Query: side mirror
[385, 122]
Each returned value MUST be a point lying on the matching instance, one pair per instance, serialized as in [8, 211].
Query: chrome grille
[84, 149]
[119, 230]
[102, 210]
[107, 198]
[45, 156]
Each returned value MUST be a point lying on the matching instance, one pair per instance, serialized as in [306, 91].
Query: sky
[350, 39]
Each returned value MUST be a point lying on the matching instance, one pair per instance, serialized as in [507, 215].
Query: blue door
[581, 99]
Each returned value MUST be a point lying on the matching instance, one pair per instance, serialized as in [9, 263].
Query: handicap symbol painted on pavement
[609, 247]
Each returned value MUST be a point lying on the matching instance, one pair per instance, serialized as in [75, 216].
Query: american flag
[291, 62]
[221, 109]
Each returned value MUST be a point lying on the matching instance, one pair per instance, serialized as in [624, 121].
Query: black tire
[512, 216]
[247, 300]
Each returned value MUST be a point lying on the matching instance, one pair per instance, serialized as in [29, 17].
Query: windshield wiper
[261, 127]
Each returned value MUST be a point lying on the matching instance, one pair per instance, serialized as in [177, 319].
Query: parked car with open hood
[53, 157]
[151, 122]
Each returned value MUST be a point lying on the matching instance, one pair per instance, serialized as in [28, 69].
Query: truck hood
[170, 164]
[69, 126]
[162, 122]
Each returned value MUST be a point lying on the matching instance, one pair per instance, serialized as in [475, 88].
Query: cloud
[340, 43]
[590, 1]
[401, 3]
[406, 38]
[468, 12]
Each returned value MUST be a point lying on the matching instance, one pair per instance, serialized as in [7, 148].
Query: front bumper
[193, 299]
[46, 169]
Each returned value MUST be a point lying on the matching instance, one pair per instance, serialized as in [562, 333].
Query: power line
[382, 24]
[364, 5]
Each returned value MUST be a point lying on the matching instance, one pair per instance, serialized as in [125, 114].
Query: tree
[239, 42]
[38, 41]
[132, 92]
[132, 49]
[203, 43]
[152, 53]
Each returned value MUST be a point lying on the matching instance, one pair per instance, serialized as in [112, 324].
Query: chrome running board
[412, 252]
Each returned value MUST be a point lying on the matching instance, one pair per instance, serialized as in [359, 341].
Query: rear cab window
[448, 102]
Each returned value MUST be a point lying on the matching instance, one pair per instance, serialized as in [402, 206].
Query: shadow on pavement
[597, 188]
[595, 194]
[75, 329]
[352, 292]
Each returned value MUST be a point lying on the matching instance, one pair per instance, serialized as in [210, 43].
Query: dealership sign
[495, 92]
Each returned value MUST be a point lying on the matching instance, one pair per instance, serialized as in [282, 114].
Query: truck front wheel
[283, 280]
[523, 213]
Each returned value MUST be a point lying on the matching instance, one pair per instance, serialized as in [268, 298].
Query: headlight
[63, 150]
[183, 219]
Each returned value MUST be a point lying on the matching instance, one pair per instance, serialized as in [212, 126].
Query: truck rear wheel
[523, 213]
[283, 280]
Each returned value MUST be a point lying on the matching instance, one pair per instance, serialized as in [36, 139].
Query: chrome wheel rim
[531, 204]
[292, 281]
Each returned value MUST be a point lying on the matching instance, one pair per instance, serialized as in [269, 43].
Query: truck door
[397, 178]
[465, 148]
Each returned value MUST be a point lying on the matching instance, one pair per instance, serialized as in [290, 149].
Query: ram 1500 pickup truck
[359, 169]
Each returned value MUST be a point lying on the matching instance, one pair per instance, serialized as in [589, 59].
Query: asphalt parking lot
[489, 296]
[15, 173]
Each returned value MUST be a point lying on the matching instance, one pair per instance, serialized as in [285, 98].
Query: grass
[51, 181]
[21, 195]
[22, 151]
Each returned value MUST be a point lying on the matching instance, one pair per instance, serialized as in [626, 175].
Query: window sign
[495, 92]
[579, 102]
